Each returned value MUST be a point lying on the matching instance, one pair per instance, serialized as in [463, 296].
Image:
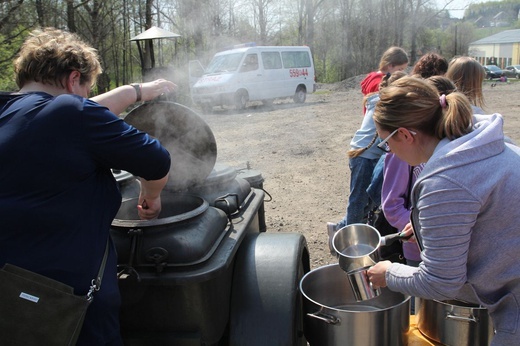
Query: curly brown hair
[430, 64]
[50, 55]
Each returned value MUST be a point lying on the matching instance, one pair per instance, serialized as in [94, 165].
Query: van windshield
[224, 63]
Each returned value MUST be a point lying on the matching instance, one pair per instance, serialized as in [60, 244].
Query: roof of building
[507, 36]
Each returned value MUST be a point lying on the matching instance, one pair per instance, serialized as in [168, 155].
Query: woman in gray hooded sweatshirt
[466, 202]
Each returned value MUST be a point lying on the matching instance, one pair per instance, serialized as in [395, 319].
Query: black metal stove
[204, 272]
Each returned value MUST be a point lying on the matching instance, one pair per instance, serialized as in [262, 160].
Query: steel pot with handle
[454, 323]
[332, 316]
[357, 245]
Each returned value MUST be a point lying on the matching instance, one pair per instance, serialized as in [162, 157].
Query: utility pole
[455, 47]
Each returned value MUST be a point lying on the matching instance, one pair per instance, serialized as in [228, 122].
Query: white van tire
[268, 102]
[241, 98]
[207, 108]
[300, 95]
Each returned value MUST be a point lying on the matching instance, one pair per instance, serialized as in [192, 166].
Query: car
[493, 71]
[512, 71]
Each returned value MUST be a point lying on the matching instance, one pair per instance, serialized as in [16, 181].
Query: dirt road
[300, 149]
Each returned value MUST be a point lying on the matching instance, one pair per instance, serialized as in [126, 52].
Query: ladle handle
[391, 238]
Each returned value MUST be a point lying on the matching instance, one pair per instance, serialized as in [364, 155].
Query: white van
[255, 73]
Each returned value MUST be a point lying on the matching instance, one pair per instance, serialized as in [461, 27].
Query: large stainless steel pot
[334, 317]
[454, 323]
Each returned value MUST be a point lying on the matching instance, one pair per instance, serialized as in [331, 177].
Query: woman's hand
[376, 273]
[149, 208]
[408, 232]
[149, 205]
[156, 88]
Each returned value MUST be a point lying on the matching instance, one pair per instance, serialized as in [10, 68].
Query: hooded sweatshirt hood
[486, 140]
[371, 82]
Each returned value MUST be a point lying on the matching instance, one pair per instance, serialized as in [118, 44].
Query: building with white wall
[500, 49]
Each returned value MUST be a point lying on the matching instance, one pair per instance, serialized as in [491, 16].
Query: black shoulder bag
[37, 310]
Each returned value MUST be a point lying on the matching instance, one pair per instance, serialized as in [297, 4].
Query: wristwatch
[137, 88]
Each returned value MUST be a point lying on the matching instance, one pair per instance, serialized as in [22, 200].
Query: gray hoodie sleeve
[447, 213]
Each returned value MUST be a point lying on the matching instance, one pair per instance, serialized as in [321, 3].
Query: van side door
[273, 75]
[250, 77]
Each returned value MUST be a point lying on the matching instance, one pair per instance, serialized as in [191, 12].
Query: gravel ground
[300, 149]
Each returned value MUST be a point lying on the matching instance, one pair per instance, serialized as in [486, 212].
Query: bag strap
[95, 284]
[409, 192]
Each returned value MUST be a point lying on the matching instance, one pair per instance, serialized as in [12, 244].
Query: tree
[347, 37]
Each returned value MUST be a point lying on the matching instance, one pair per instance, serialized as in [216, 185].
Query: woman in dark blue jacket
[58, 196]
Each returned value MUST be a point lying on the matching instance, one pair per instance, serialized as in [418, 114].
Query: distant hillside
[494, 14]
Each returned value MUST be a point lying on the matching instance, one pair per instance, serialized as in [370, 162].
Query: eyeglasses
[384, 145]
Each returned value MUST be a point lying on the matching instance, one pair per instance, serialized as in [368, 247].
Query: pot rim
[323, 307]
[452, 302]
[203, 206]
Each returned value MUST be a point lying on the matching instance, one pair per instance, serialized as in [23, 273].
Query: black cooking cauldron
[203, 273]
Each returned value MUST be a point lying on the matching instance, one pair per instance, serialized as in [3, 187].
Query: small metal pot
[357, 245]
[454, 323]
[332, 316]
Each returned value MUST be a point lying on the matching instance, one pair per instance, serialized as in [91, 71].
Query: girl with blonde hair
[469, 250]
[468, 76]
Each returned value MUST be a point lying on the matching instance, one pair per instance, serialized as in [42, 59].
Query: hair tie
[442, 101]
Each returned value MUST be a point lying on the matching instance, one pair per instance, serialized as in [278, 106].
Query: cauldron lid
[184, 133]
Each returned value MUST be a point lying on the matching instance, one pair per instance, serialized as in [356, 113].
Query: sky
[456, 7]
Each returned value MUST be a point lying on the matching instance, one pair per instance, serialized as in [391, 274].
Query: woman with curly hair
[58, 196]
[430, 64]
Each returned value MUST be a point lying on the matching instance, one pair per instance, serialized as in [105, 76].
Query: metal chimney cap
[154, 33]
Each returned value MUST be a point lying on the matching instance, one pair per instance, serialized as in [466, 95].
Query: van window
[271, 60]
[224, 63]
[250, 63]
[296, 59]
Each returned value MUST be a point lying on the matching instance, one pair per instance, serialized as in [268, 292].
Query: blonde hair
[50, 55]
[468, 75]
[444, 85]
[387, 79]
[413, 103]
[394, 56]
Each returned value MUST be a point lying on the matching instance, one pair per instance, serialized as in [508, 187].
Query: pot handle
[451, 316]
[389, 239]
[324, 317]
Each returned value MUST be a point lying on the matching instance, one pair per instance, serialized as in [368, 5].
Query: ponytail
[356, 152]
[455, 122]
